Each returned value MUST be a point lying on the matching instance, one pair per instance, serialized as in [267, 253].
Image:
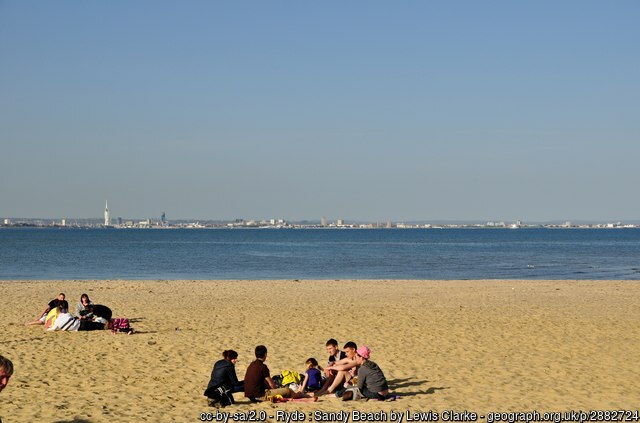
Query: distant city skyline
[362, 111]
[108, 220]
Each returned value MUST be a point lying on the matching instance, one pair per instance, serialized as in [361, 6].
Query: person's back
[315, 379]
[223, 374]
[224, 382]
[370, 375]
[371, 381]
[254, 380]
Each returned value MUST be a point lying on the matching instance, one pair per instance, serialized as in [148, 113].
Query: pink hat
[363, 351]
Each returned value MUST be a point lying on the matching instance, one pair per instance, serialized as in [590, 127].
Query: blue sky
[368, 110]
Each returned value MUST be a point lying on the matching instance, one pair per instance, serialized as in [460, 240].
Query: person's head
[84, 299]
[6, 370]
[350, 349]
[230, 355]
[311, 363]
[362, 354]
[332, 346]
[63, 305]
[61, 296]
[261, 352]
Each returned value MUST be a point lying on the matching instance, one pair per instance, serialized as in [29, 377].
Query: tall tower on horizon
[106, 214]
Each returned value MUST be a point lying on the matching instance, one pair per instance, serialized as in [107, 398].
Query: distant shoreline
[346, 227]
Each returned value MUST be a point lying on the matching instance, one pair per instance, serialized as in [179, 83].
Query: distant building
[323, 221]
[340, 222]
[163, 218]
[389, 225]
[106, 214]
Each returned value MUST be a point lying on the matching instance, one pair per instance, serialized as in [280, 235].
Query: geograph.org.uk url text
[407, 416]
[564, 416]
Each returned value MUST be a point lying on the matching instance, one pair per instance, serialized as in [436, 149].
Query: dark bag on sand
[103, 311]
[220, 395]
[277, 379]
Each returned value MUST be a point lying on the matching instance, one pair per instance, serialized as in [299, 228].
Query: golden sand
[479, 346]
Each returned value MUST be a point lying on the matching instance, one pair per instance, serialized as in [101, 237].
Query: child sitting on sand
[312, 376]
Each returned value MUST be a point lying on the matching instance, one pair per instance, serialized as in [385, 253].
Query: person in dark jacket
[224, 381]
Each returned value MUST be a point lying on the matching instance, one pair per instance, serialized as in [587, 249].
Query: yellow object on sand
[51, 318]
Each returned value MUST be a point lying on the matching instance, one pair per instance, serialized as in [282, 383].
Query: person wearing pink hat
[371, 381]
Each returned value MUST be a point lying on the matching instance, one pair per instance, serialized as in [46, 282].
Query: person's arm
[327, 370]
[304, 382]
[343, 361]
[79, 309]
[361, 380]
[233, 378]
[270, 382]
[44, 313]
[349, 365]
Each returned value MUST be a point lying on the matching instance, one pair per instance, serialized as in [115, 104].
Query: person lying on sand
[43, 316]
[65, 321]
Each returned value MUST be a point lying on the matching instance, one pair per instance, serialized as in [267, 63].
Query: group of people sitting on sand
[349, 374]
[88, 316]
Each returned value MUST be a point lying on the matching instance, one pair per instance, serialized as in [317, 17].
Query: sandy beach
[480, 346]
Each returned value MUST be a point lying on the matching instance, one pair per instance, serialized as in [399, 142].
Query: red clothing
[255, 384]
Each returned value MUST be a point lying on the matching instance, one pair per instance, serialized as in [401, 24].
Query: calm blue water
[320, 254]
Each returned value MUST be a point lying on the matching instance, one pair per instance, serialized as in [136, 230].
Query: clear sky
[367, 110]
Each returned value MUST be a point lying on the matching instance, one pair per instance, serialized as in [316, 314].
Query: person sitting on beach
[65, 321]
[224, 376]
[334, 355]
[345, 369]
[371, 381]
[52, 305]
[258, 385]
[312, 376]
[6, 371]
[84, 309]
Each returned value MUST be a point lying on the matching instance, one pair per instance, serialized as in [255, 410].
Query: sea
[199, 254]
